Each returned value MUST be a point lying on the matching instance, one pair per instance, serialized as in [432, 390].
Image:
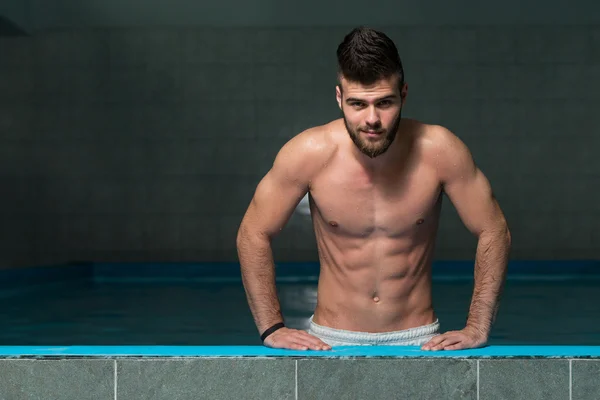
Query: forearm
[490, 273]
[258, 277]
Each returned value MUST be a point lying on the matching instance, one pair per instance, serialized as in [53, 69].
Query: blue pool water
[164, 311]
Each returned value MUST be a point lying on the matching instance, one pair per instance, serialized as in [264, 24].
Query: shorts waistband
[355, 337]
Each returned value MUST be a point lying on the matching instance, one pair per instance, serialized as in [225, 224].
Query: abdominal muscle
[375, 283]
[375, 229]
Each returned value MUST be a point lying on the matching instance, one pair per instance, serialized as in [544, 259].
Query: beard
[376, 148]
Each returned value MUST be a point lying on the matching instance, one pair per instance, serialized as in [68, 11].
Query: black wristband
[272, 329]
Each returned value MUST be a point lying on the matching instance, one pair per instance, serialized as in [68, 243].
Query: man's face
[371, 113]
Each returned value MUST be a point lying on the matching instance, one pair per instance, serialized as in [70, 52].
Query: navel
[375, 297]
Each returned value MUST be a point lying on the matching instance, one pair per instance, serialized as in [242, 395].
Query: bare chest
[355, 203]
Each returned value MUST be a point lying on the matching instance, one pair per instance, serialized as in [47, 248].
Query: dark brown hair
[367, 55]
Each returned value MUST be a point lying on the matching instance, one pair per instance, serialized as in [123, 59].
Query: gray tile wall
[15, 13]
[147, 144]
[297, 379]
[524, 379]
[78, 13]
[387, 379]
[82, 379]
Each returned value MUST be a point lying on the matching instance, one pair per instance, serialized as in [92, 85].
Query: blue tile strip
[262, 351]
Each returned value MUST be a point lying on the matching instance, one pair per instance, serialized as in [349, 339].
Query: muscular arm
[471, 194]
[273, 203]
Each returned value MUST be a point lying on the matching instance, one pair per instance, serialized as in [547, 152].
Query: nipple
[420, 221]
[333, 223]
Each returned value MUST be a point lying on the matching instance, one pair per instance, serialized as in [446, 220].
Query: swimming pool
[126, 319]
[107, 311]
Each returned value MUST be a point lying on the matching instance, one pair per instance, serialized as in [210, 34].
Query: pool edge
[515, 351]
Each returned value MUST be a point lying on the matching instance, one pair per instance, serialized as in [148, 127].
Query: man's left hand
[466, 338]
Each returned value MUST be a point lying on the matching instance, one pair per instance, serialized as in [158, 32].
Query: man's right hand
[294, 339]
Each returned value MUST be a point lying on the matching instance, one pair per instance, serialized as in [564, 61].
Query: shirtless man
[375, 182]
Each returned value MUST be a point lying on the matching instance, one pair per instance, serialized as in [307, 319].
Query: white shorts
[408, 337]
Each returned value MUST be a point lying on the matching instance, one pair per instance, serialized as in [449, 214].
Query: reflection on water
[555, 313]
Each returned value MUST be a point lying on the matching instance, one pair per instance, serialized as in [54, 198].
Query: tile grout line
[115, 385]
[477, 379]
[571, 379]
[296, 380]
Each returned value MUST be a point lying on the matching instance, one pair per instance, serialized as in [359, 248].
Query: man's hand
[293, 339]
[466, 338]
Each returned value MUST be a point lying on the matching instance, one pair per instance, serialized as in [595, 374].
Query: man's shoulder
[318, 142]
[430, 134]
[306, 153]
[443, 149]
[434, 139]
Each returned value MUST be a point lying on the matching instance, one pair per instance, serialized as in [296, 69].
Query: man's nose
[373, 119]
